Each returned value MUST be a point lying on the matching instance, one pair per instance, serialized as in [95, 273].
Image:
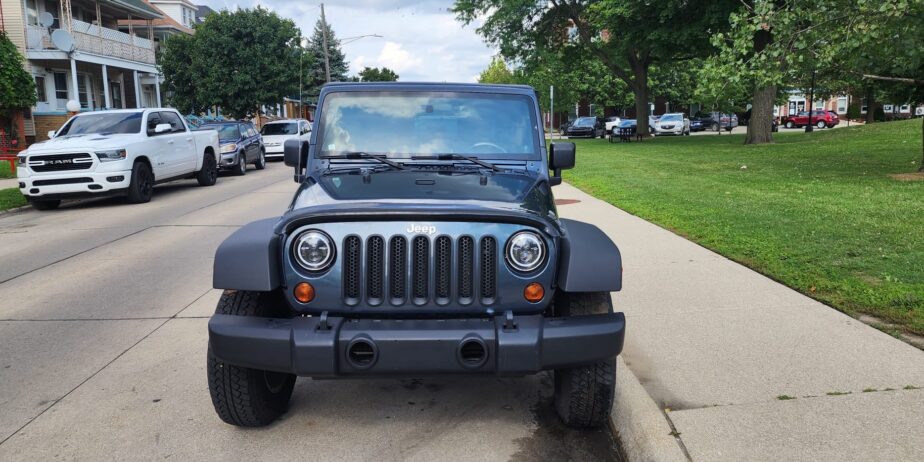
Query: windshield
[117, 122]
[280, 129]
[671, 118]
[404, 124]
[585, 122]
[627, 123]
[226, 132]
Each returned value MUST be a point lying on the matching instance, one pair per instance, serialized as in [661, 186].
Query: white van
[276, 133]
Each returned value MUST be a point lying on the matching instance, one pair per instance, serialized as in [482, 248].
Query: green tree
[374, 74]
[176, 63]
[626, 36]
[336, 59]
[17, 89]
[497, 72]
[772, 43]
[238, 60]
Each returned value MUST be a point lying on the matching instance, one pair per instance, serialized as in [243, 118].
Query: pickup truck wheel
[261, 161]
[243, 396]
[209, 173]
[141, 187]
[241, 165]
[45, 205]
[584, 394]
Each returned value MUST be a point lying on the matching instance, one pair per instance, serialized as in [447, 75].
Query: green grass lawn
[10, 198]
[817, 212]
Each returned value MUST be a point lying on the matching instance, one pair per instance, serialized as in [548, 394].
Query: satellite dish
[63, 40]
[46, 19]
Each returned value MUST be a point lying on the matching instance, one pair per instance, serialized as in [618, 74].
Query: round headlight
[313, 250]
[525, 251]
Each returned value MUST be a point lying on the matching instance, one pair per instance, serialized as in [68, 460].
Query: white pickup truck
[120, 152]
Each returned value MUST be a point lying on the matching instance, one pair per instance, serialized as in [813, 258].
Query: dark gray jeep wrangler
[423, 240]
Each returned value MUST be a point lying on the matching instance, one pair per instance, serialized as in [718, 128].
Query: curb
[15, 210]
[639, 424]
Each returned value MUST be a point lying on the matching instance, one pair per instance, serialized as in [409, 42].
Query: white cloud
[421, 40]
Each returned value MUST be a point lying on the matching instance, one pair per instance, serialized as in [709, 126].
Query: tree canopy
[238, 60]
[375, 74]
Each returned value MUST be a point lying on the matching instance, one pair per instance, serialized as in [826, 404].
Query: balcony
[101, 41]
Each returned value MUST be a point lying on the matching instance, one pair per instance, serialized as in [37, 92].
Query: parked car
[715, 120]
[610, 122]
[241, 144]
[276, 133]
[120, 152]
[586, 127]
[697, 124]
[459, 274]
[674, 123]
[820, 119]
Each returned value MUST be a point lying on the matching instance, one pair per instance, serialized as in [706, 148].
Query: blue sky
[421, 41]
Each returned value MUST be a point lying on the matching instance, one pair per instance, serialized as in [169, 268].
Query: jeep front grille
[419, 270]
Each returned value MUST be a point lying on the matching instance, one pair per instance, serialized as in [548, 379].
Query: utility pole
[324, 39]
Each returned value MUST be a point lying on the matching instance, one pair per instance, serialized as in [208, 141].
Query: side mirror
[295, 155]
[561, 157]
[162, 128]
[51, 134]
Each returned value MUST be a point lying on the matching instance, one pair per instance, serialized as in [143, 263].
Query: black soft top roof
[429, 86]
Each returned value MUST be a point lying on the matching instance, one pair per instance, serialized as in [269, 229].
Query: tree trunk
[640, 88]
[921, 168]
[870, 105]
[760, 125]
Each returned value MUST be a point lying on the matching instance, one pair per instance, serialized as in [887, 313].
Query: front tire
[821, 124]
[242, 396]
[261, 161]
[208, 175]
[789, 124]
[141, 187]
[241, 165]
[584, 394]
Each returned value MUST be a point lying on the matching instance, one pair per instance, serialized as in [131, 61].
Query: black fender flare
[249, 259]
[589, 261]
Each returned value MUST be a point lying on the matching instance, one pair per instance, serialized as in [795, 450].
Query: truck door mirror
[51, 134]
[295, 155]
[561, 157]
[162, 128]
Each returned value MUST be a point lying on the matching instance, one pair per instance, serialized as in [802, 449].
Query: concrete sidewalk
[721, 348]
[6, 183]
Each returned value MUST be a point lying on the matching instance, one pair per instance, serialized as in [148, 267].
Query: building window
[842, 105]
[115, 92]
[32, 12]
[54, 8]
[61, 86]
[40, 89]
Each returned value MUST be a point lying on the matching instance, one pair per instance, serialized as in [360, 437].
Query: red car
[820, 119]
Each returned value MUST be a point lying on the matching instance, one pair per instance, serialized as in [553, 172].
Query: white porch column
[157, 88]
[137, 89]
[73, 93]
[106, 99]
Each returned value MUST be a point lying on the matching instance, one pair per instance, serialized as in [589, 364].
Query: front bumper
[415, 346]
[274, 151]
[229, 160]
[74, 184]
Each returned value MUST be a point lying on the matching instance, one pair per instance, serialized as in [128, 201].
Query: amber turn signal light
[304, 292]
[533, 292]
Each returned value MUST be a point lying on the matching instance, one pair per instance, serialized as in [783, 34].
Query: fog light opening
[362, 353]
[304, 292]
[473, 353]
[533, 292]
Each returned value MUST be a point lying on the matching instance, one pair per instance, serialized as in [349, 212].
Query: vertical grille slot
[375, 270]
[397, 269]
[443, 268]
[352, 249]
[420, 269]
[488, 269]
[466, 268]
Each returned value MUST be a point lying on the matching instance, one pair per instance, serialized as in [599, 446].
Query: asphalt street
[103, 312]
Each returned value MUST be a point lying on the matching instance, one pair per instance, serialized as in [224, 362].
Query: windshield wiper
[473, 160]
[367, 156]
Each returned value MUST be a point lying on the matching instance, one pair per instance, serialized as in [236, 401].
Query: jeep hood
[516, 196]
[82, 143]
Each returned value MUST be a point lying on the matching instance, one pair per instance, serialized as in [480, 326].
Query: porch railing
[98, 40]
